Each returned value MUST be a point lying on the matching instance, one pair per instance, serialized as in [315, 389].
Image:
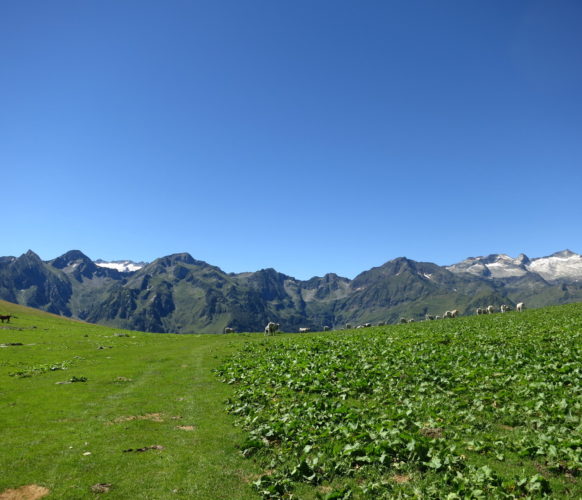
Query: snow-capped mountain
[564, 265]
[158, 296]
[493, 266]
[123, 266]
[560, 266]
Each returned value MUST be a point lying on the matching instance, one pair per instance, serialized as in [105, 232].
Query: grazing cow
[480, 311]
[326, 328]
[451, 314]
[271, 328]
[490, 309]
[304, 330]
[349, 326]
[228, 330]
[367, 325]
[520, 307]
[430, 317]
[505, 308]
[403, 320]
[437, 317]
[359, 326]
[5, 317]
[411, 321]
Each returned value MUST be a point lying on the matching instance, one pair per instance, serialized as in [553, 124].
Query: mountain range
[180, 294]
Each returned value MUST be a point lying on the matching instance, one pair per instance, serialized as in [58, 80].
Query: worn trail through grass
[154, 394]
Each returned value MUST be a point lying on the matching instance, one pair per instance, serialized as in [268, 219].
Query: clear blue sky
[309, 136]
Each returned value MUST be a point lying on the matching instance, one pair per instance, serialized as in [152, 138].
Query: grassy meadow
[479, 407]
[141, 390]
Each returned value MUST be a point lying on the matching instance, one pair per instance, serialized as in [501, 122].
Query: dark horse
[6, 317]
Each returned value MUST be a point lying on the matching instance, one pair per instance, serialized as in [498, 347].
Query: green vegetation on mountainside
[482, 407]
[179, 294]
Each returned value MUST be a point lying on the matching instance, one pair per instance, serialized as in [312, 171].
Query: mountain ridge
[564, 264]
[177, 293]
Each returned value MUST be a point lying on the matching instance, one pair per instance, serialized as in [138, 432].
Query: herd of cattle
[272, 328]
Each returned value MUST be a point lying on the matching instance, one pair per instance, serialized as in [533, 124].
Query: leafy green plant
[39, 369]
[443, 402]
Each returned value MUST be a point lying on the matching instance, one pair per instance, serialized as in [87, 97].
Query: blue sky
[308, 136]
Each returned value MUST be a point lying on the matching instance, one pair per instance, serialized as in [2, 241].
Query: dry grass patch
[154, 417]
[254, 477]
[28, 492]
[432, 432]
[401, 478]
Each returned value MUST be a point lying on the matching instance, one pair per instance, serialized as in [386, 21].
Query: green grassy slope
[140, 389]
[458, 406]
[477, 407]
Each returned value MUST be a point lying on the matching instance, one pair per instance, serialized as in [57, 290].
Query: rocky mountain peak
[178, 258]
[564, 254]
[77, 264]
[563, 265]
[30, 255]
[70, 258]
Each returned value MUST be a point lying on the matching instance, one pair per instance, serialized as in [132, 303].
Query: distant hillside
[178, 293]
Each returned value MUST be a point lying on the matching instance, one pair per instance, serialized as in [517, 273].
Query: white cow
[228, 330]
[326, 328]
[490, 309]
[271, 328]
[430, 317]
[304, 330]
[520, 307]
[480, 311]
[451, 314]
[505, 308]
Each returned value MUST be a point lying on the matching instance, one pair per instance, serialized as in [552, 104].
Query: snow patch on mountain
[123, 266]
[558, 266]
[492, 266]
[505, 269]
[564, 265]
